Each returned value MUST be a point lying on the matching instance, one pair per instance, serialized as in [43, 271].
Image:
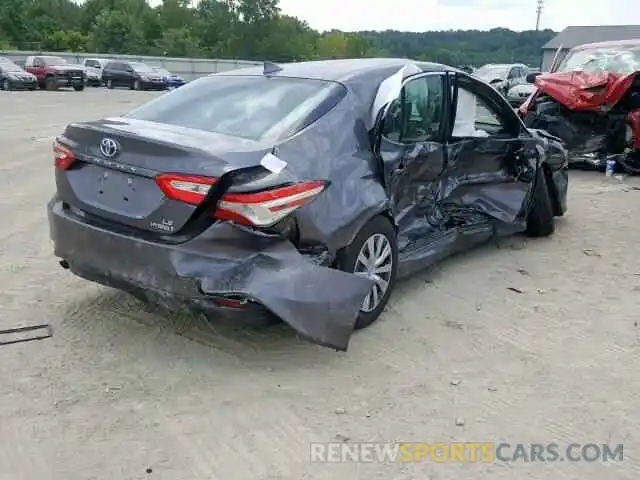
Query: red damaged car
[591, 101]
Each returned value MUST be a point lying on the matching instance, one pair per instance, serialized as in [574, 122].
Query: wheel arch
[362, 222]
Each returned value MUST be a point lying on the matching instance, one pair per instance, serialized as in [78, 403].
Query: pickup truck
[55, 72]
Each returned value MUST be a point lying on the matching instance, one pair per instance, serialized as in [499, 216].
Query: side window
[416, 115]
[513, 73]
[475, 117]
[38, 62]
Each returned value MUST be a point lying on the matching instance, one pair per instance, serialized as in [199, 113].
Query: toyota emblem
[108, 147]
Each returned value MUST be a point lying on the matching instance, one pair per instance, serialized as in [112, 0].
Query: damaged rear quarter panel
[320, 303]
[336, 148]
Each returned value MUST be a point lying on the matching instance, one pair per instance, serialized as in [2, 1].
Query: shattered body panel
[441, 196]
[593, 110]
[580, 90]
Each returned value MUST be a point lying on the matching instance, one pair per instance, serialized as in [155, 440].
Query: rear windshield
[252, 107]
[615, 60]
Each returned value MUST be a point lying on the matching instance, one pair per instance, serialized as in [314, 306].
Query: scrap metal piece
[33, 328]
[270, 68]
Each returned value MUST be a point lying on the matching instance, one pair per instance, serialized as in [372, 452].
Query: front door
[412, 153]
[491, 158]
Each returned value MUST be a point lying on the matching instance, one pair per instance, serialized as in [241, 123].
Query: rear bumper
[320, 303]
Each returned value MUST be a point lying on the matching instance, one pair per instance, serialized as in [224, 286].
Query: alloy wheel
[375, 261]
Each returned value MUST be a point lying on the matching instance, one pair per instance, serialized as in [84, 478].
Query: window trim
[442, 132]
[495, 101]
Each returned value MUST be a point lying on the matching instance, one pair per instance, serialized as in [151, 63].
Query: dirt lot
[118, 390]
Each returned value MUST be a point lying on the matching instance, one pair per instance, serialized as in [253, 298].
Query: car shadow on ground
[114, 315]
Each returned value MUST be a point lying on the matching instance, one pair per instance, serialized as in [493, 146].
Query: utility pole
[539, 13]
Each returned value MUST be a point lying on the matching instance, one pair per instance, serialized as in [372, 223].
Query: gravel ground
[122, 393]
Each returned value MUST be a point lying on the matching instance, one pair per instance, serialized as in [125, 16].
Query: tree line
[244, 29]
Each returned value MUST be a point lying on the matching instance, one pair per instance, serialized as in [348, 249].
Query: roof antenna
[270, 68]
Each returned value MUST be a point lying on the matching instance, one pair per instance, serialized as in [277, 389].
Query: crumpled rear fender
[320, 303]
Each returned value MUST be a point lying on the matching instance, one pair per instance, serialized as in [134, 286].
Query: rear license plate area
[117, 192]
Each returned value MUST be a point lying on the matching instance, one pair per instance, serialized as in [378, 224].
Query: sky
[424, 15]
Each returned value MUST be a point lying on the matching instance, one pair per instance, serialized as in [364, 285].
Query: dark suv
[135, 75]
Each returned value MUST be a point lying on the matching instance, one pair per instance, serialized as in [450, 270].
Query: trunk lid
[118, 160]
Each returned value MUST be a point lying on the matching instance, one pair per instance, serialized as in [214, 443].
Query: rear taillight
[192, 190]
[260, 209]
[263, 209]
[63, 156]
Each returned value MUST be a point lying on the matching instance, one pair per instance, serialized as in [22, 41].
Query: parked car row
[52, 73]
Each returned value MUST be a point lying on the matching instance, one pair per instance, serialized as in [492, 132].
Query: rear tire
[540, 222]
[78, 88]
[379, 232]
[137, 85]
[110, 84]
[6, 85]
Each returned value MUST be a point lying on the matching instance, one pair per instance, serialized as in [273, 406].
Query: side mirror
[531, 77]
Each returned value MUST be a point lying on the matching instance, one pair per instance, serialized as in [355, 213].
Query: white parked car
[518, 94]
[93, 67]
[502, 76]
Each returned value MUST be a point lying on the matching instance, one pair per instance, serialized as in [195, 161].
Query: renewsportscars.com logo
[469, 452]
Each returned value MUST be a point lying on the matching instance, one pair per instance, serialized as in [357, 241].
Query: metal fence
[188, 68]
